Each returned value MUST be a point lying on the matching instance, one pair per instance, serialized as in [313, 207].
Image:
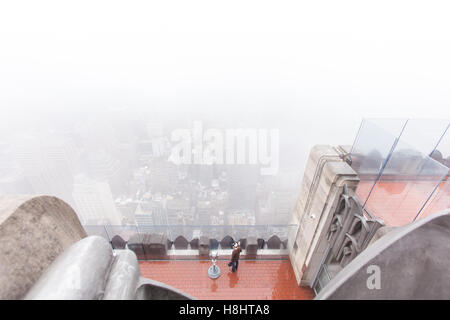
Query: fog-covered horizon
[114, 79]
[319, 63]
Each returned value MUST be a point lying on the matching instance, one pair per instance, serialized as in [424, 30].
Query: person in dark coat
[235, 256]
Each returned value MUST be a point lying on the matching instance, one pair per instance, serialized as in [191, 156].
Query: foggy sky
[316, 67]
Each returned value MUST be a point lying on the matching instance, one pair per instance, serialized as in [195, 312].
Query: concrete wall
[325, 175]
[34, 231]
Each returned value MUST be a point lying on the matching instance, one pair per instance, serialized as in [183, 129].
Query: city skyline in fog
[84, 86]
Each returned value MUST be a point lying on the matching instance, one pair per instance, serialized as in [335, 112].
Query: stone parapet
[251, 246]
[203, 246]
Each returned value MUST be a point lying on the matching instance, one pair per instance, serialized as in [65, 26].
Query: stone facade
[407, 263]
[350, 230]
[325, 175]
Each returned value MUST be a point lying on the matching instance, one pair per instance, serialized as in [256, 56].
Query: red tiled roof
[254, 280]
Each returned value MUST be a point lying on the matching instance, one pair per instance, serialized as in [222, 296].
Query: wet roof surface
[255, 280]
[397, 203]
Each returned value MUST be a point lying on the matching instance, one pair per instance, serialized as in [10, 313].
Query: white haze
[325, 64]
[313, 69]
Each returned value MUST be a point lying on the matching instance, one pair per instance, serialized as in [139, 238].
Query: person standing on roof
[235, 256]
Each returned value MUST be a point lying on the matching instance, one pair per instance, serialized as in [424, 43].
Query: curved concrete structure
[154, 290]
[124, 277]
[45, 254]
[34, 231]
[89, 270]
[410, 262]
[80, 273]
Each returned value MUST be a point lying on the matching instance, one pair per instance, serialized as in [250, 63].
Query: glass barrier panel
[408, 180]
[150, 229]
[120, 235]
[370, 150]
[439, 201]
[393, 126]
[99, 230]
[442, 152]
[424, 134]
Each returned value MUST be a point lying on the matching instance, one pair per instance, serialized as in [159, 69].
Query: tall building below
[95, 202]
[144, 214]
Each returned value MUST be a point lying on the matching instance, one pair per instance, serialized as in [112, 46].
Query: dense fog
[96, 95]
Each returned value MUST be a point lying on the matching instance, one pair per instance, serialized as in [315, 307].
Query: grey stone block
[117, 242]
[252, 246]
[261, 243]
[181, 243]
[243, 243]
[226, 242]
[155, 245]
[203, 246]
[135, 245]
[213, 244]
[194, 244]
[274, 242]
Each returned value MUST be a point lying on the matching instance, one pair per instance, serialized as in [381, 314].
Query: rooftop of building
[254, 279]
[398, 203]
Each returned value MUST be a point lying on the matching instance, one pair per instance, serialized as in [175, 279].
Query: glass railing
[402, 171]
[371, 149]
[184, 241]
[439, 201]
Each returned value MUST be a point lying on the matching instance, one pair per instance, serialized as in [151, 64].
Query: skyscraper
[94, 202]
